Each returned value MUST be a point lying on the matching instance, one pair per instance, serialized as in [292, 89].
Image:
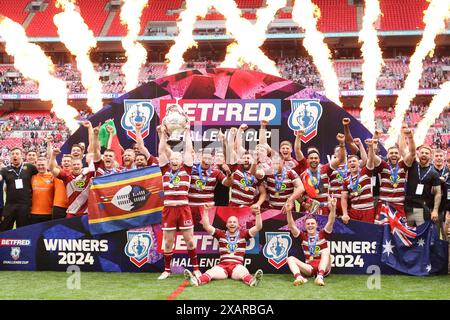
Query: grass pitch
[137, 286]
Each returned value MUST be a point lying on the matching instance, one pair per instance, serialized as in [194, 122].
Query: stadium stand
[16, 12]
[410, 10]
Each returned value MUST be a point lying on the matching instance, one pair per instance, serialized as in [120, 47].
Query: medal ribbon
[20, 171]
[354, 186]
[279, 182]
[311, 177]
[200, 174]
[252, 179]
[172, 175]
[232, 244]
[312, 247]
[394, 173]
[344, 173]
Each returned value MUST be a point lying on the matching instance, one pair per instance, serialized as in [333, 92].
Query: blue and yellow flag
[125, 200]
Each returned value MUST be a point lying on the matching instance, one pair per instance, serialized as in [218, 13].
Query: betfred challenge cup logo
[305, 115]
[15, 253]
[137, 110]
[138, 247]
[277, 247]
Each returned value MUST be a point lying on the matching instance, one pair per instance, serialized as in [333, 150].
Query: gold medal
[395, 185]
[317, 191]
[170, 185]
[246, 189]
[311, 258]
[355, 194]
[277, 194]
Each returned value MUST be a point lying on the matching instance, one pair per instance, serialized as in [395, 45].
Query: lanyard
[200, 173]
[394, 173]
[418, 173]
[20, 171]
[315, 182]
[312, 247]
[354, 186]
[232, 244]
[279, 182]
[344, 173]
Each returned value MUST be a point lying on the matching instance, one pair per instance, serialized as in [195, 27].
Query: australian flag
[412, 250]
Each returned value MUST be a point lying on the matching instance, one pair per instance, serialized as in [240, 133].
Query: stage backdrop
[225, 98]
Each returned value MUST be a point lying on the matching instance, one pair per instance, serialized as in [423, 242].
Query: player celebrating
[232, 244]
[176, 171]
[315, 248]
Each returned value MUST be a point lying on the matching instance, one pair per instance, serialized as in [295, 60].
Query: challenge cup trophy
[175, 121]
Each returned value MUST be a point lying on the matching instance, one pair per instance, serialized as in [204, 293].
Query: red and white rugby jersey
[387, 191]
[320, 246]
[277, 201]
[203, 193]
[337, 180]
[241, 193]
[301, 166]
[77, 189]
[290, 164]
[152, 161]
[102, 171]
[224, 250]
[176, 193]
[322, 196]
[364, 199]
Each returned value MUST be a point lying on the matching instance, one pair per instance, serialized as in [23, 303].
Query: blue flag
[426, 254]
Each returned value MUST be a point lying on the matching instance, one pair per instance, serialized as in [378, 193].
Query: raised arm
[163, 148]
[332, 216]
[231, 155]
[240, 150]
[291, 224]
[348, 136]
[96, 144]
[49, 140]
[334, 163]
[52, 165]
[189, 150]
[205, 220]
[362, 152]
[88, 125]
[371, 153]
[139, 141]
[228, 182]
[376, 159]
[298, 145]
[258, 225]
[411, 155]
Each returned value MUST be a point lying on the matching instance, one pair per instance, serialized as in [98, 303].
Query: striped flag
[125, 200]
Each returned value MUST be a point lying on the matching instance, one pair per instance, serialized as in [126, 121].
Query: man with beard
[204, 179]
[232, 244]
[315, 248]
[17, 178]
[315, 178]
[443, 170]
[423, 189]
[359, 185]
[245, 185]
[176, 172]
[393, 174]
[79, 180]
[128, 159]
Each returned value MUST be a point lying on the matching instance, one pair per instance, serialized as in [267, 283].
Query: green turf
[53, 285]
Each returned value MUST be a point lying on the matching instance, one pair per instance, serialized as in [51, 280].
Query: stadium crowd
[353, 185]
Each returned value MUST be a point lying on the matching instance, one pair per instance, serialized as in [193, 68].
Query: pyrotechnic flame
[32, 62]
[79, 40]
[373, 62]
[130, 15]
[236, 53]
[247, 37]
[434, 19]
[437, 105]
[306, 15]
[185, 38]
